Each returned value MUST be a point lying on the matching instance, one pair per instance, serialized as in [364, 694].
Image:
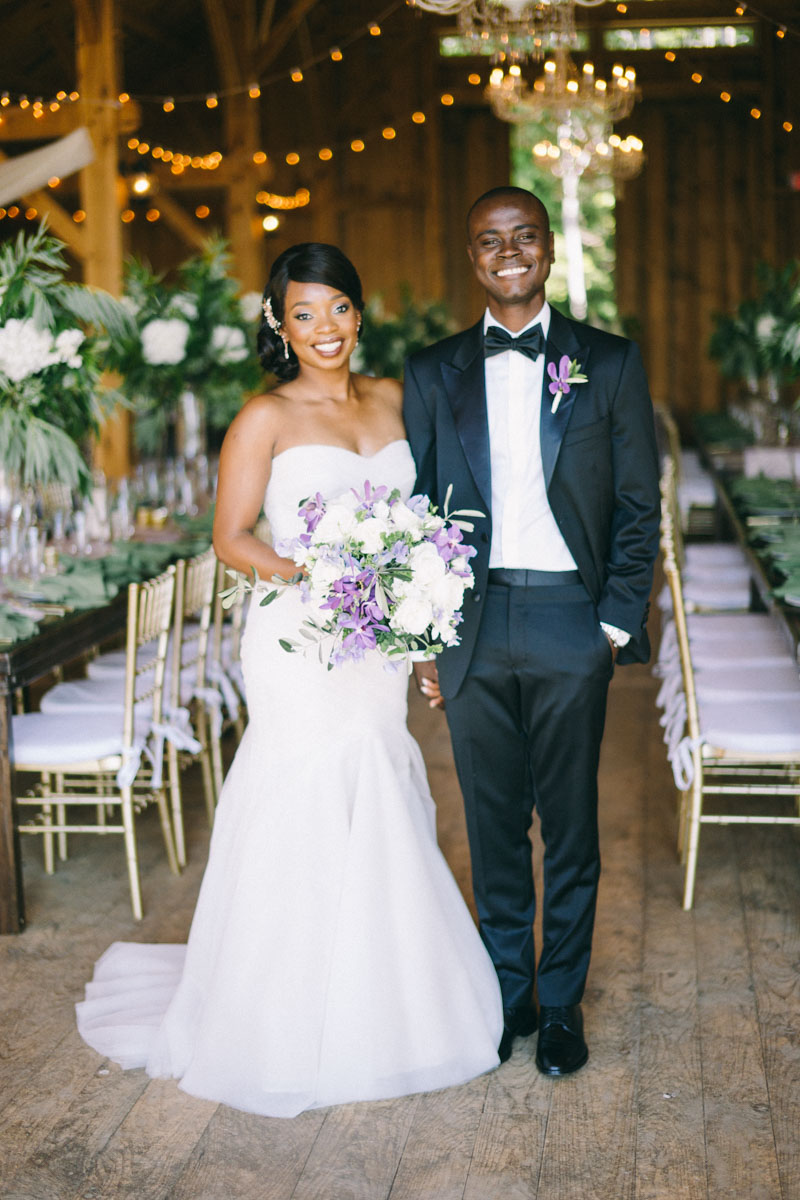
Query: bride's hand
[427, 677]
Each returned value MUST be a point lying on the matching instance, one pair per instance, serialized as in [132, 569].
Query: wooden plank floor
[692, 1088]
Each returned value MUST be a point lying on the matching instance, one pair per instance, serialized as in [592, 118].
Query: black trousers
[526, 728]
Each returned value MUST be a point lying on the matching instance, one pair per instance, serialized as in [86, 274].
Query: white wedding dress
[331, 957]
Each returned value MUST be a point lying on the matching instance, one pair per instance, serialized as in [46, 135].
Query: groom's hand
[427, 678]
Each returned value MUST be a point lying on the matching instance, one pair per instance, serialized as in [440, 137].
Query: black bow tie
[530, 343]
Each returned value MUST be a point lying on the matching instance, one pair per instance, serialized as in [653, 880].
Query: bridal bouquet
[386, 575]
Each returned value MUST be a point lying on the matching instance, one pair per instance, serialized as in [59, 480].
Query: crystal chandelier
[512, 29]
[562, 90]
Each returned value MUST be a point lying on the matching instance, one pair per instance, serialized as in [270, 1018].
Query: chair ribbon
[212, 699]
[175, 730]
[217, 674]
[131, 761]
[682, 762]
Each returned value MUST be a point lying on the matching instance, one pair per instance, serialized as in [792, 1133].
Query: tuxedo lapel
[561, 340]
[465, 385]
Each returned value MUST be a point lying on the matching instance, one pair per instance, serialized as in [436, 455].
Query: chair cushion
[733, 652]
[111, 664]
[708, 593]
[723, 554]
[89, 695]
[44, 739]
[735, 682]
[707, 626]
[759, 727]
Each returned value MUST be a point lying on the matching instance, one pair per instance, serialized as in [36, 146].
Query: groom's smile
[511, 249]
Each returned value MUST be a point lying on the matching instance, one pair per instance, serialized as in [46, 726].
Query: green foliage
[760, 340]
[51, 399]
[388, 338]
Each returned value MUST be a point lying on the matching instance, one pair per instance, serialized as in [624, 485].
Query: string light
[211, 100]
[285, 203]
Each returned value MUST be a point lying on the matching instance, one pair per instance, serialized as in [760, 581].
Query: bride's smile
[321, 324]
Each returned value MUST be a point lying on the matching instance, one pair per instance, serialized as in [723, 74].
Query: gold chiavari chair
[188, 687]
[738, 742]
[109, 761]
[224, 670]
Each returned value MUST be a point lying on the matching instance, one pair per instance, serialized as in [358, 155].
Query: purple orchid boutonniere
[568, 372]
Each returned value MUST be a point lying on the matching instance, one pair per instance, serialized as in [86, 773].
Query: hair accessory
[270, 316]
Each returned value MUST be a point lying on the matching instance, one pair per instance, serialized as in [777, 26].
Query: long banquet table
[726, 466]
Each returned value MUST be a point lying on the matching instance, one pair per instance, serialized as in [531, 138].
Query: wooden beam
[281, 34]
[97, 55]
[59, 220]
[20, 125]
[265, 21]
[233, 28]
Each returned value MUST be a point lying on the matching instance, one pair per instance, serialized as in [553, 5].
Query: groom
[545, 426]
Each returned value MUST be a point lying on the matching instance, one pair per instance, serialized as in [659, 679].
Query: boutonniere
[568, 371]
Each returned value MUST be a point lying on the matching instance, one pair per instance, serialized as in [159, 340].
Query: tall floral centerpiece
[759, 346]
[54, 337]
[191, 360]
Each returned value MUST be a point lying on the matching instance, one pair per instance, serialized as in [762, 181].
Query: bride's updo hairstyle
[307, 262]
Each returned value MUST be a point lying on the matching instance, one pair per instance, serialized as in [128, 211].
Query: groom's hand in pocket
[427, 678]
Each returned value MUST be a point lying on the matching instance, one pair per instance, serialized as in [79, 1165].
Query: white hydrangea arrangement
[191, 336]
[53, 337]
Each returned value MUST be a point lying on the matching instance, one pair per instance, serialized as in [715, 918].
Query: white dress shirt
[524, 531]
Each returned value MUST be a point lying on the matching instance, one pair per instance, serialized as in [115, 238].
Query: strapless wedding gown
[331, 956]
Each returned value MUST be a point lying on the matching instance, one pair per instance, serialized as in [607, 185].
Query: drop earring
[285, 341]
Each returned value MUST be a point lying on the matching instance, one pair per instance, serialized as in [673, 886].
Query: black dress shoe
[517, 1022]
[561, 1048]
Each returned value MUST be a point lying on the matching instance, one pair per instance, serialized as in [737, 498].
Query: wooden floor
[693, 1020]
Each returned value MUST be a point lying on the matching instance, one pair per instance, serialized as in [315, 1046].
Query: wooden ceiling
[191, 50]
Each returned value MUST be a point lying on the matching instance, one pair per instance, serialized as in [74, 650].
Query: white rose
[185, 304]
[322, 575]
[66, 347]
[370, 533]
[405, 519]
[444, 633]
[765, 327]
[338, 524]
[164, 342]
[412, 615]
[250, 305]
[447, 593]
[24, 348]
[427, 565]
[228, 344]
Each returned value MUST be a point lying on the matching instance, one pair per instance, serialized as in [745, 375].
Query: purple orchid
[446, 540]
[567, 372]
[312, 511]
[370, 497]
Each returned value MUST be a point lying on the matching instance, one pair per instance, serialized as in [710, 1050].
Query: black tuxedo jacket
[599, 458]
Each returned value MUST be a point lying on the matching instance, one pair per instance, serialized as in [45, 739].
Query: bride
[331, 957]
